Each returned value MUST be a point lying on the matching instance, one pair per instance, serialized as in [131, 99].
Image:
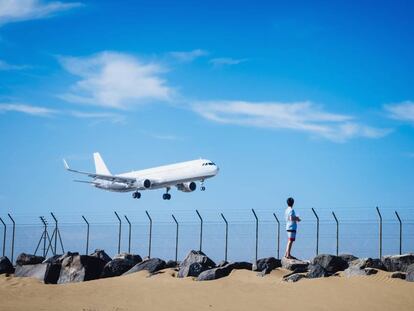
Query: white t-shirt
[290, 224]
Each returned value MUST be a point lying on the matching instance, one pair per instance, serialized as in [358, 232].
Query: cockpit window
[208, 163]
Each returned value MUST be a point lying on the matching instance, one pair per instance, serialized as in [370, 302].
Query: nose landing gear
[202, 188]
[167, 196]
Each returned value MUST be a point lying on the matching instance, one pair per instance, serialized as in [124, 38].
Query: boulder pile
[73, 267]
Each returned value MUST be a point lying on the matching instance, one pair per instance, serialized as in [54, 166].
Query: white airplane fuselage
[163, 176]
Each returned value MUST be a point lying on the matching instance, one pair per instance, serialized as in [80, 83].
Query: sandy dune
[242, 290]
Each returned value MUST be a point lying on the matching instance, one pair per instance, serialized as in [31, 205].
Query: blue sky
[311, 101]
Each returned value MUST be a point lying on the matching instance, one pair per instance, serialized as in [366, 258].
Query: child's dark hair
[290, 202]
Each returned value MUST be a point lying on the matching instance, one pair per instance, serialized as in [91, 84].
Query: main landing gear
[202, 188]
[167, 196]
[136, 195]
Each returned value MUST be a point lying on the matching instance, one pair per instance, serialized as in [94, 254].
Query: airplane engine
[187, 186]
[144, 183]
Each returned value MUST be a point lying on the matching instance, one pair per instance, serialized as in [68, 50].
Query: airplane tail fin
[100, 166]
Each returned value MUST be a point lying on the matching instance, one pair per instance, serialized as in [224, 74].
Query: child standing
[291, 226]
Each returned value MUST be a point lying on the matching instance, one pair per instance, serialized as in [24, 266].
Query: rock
[317, 271]
[356, 271]
[398, 275]
[348, 257]
[398, 262]
[78, 268]
[58, 259]
[28, 259]
[134, 258]
[368, 263]
[293, 277]
[6, 266]
[265, 265]
[242, 265]
[172, 264]
[410, 273]
[215, 273]
[117, 267]
[100, 253]
[222, 263]
[37, 271]
[152, 265]
[195, 263]
[294, 264]
[330, 263]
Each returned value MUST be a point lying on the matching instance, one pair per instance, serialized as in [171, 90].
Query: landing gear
[167, 196]
[202, 188]
[136, 195]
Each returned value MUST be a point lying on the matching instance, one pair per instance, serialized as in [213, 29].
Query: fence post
[4, 236]
[129, 234]
[257, 234]
[317, 231]
[278, 235]
[87, 235]
[55, 233]
[44, 235]
[380, 231]
[13, 234]
[201, 230]
[119, 232]
[227, 236]
[399, 220]
[337, 233]
[150, 234]
[176, 238]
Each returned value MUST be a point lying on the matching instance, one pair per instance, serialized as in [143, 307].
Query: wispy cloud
[27, 109]
[403, 111]
[300, 116]
[20, 10]
[188, 56]
[226, 61]
[102, 116]
[115, 80]
[6, 66]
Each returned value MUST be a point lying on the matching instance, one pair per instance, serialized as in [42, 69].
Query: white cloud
[115, 80]
[20, 10]
[226, 61]
[403, 111]
[27, 109]
[299, 116]
[188, 56]
[103, 116]
[6, 66]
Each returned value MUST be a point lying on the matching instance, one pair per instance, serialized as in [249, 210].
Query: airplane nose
[217, 169]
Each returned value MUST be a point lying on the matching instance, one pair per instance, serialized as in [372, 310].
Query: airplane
[182, 175]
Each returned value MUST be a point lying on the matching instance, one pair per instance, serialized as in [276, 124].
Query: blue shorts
[291, 235]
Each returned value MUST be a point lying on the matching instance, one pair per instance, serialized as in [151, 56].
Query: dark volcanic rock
[368, 263]
[222, 263]
[398, 262]
[294, 264]
[348, 257]
[265, 265]
[152, 265]
[6, 266]
[317, 271]
[330, 263]
[117, 267]
[132, 257]
[58, 259]
[215, 273]
[357, 271]
[80, 268]
[100, 253]
[410, 273]
[398, 275]
[293, 277]
[241, 265]
[195, 263]
[37, 271]
[28, 259]
[172, 264]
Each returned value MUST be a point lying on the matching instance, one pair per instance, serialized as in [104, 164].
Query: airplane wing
[125, 180]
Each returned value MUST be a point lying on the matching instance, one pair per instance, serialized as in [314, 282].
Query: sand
[242, 290]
